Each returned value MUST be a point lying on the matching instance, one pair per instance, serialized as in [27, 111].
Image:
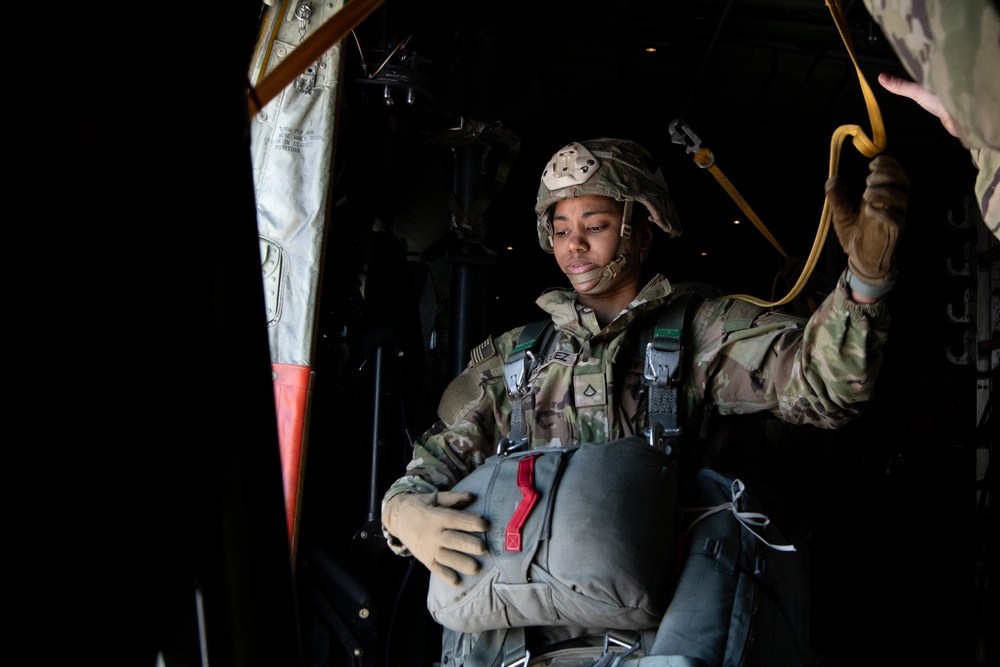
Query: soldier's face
[585, 235]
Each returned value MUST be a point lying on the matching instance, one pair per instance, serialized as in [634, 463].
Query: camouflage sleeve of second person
[987, 189]
[746, 359]
[952, 49]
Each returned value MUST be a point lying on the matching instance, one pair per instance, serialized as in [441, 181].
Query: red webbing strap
[529, 496]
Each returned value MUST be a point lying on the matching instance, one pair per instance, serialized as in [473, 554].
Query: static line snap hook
[681, 133]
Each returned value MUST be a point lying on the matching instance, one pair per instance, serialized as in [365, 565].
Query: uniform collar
[561, 304]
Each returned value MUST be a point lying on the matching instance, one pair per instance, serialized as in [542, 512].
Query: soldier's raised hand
[869, 232]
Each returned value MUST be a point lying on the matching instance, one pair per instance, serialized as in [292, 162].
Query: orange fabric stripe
[291, 400]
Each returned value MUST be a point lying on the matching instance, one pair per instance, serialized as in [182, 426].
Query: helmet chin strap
[612, 269]
[605, 273]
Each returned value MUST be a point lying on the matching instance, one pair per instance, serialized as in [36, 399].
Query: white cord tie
[748, 519]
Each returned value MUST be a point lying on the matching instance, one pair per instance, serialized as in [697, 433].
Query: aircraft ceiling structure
[763, 84]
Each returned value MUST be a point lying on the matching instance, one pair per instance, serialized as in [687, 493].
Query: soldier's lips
[576, 269]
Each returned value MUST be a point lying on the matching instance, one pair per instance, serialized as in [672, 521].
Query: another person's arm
[923, 97]
[985, 158]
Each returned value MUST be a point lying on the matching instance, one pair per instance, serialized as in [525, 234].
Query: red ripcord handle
[529, 496]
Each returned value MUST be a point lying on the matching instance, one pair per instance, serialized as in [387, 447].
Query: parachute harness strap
[869, 147]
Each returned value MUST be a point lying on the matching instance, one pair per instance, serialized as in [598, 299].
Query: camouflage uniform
[952, 48]
[740, 359]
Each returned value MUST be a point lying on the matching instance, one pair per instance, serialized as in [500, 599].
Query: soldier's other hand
[436, 530]
[869, 233]
[925, 98]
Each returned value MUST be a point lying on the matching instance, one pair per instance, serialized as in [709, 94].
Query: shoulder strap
[533, 342]
[662, 369]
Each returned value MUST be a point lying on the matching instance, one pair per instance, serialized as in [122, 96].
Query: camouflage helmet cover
[615, 168]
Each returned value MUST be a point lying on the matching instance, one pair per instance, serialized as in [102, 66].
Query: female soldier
[597, 205]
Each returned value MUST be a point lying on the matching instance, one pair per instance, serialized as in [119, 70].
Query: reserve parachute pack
[587, 537]
[548, 553]
[740, 600]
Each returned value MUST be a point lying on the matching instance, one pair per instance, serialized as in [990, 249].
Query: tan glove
[869, 236]
[437, 532]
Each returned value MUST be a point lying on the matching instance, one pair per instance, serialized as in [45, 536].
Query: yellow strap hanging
[868, 147]
[681, 133]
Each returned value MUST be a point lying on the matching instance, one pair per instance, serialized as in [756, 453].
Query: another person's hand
[869, 234]
[921, 96]
[437, 532]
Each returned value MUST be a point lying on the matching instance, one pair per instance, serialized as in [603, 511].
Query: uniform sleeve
[466, 433]
[987, 160]
[820, 371]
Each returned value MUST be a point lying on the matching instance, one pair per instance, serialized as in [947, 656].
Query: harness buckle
[662, 366]
[508, 446]
[517, 371]
[658, 435]
[611, 639]
[654, 432]
[521, 662]
[629, 649]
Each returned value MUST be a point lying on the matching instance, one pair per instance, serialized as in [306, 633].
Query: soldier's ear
[645, 234]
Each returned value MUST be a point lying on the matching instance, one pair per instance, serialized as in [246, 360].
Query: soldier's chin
[586, 286]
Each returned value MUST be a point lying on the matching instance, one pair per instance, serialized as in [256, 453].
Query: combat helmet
[616, 168]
